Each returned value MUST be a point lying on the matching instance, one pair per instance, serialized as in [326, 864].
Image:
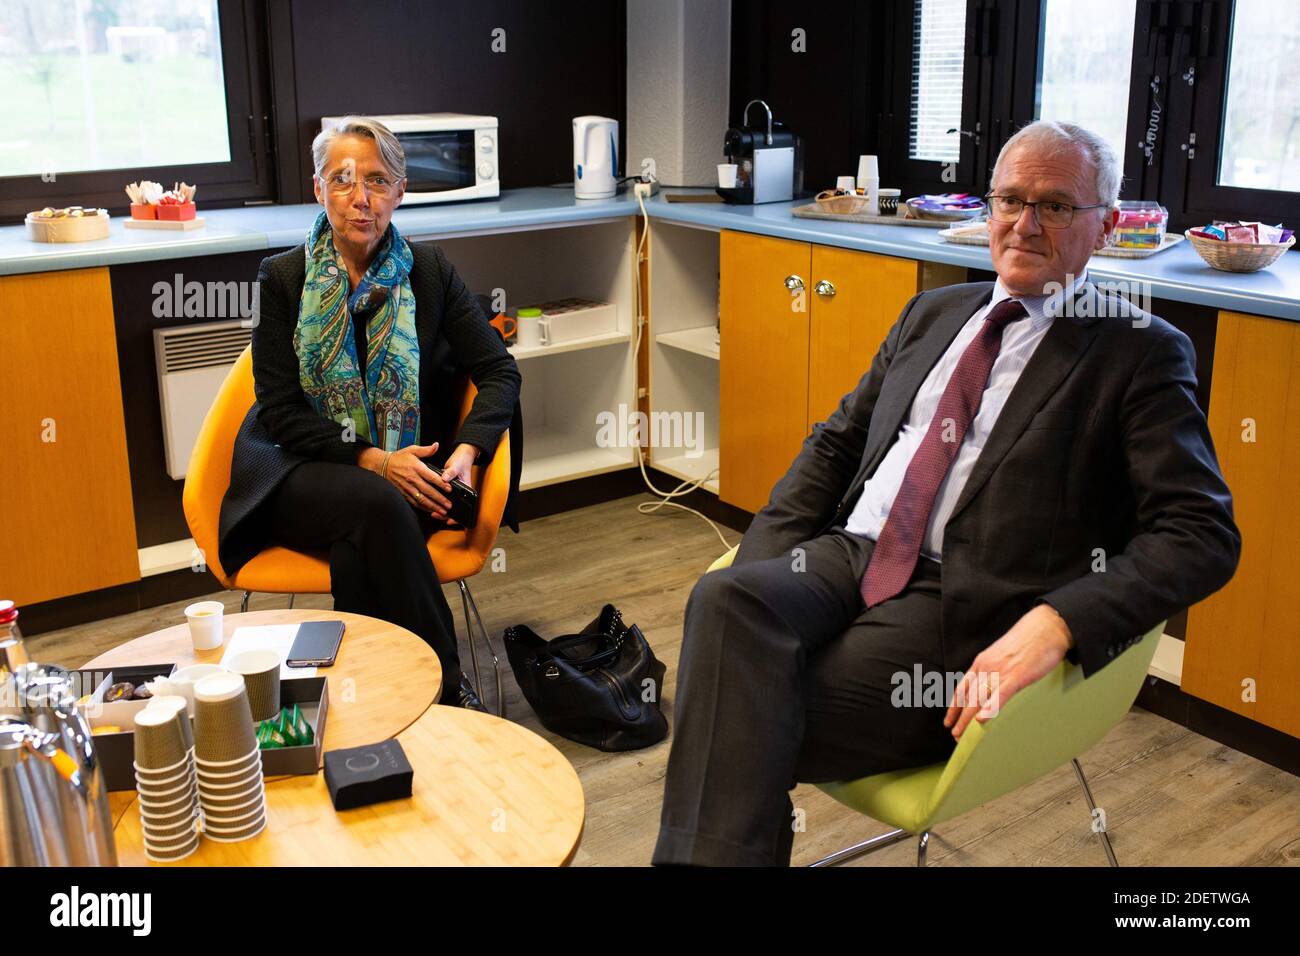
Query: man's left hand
[1035, 644]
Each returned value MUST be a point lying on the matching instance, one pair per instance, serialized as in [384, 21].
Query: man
[1023, 475]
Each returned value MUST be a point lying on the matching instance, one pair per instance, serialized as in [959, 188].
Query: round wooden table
[486, 792]
[384, 678]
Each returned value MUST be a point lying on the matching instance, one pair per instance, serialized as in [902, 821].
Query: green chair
[998, 756]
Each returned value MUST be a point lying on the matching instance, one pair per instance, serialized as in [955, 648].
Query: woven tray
[813, 211]
[977, 235]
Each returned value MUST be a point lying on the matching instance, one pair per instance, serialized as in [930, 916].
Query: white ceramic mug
[532, 330]
[205, 624]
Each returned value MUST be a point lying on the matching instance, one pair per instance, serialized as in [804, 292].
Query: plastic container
[1141, 225]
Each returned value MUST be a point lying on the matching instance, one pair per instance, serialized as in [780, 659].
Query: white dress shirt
[1019, 340]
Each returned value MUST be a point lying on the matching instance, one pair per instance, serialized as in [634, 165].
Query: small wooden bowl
[67, 228]
[1238, 256]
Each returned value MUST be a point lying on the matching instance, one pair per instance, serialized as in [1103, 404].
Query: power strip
[645, 189]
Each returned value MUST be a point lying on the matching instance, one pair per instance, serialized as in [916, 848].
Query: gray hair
[1058, 137]
[390, 150]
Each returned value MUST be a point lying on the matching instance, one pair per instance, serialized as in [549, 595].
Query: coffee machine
[769, 161]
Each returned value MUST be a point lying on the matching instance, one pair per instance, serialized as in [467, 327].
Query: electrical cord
[686, 487]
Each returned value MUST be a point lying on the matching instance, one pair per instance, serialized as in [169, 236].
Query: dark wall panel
[825, 93]
[561, 60]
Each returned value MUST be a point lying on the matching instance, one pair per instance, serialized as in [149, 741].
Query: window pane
[1261, 116]
[938, 60]
[110, 84]
[1084, 63]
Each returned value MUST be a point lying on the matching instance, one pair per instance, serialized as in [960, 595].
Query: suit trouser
[377, 543]
[784, 677]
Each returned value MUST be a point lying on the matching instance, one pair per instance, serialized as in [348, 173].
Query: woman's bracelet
[383, 468]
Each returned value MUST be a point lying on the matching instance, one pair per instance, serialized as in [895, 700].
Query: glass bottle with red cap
[12, 653]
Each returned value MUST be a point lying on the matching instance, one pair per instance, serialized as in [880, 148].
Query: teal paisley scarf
[384, 404]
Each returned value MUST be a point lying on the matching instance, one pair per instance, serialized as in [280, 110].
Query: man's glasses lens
[1053, 215]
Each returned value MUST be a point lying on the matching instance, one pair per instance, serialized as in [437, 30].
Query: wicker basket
[841, 205]
[1238, 256]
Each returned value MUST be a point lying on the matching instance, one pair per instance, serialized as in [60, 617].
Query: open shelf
[688, 468]
[700, 341]
[551, 455]
[685, 359]
[588, 342]
[564, 397]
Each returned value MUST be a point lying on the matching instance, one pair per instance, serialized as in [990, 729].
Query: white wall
[678, 64]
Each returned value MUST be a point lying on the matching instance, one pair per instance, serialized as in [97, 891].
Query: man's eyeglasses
[1050, 213]
[343, 183]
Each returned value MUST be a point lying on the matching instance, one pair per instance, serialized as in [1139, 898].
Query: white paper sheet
[275, 637]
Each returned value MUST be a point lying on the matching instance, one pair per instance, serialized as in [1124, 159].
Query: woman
[356, 351]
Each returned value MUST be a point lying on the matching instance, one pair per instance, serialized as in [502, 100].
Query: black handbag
[600, 687]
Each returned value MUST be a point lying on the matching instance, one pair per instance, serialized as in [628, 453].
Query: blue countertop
[1178, 274]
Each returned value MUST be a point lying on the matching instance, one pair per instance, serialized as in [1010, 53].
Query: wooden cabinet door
[66, 507]
[764, 363]
[1242, 651]
[856, 299]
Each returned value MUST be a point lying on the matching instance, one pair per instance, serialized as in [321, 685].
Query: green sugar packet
[284, 725]
[302, 730]
[268, 738]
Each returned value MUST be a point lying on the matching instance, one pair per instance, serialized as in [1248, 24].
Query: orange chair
[457, 555]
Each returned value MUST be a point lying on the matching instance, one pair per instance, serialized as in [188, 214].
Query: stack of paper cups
[869, 182]
[165, 782]
[232, 795]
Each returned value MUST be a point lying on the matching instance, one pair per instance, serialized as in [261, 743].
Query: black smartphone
[464, 504]
[316, 645]
[463, 498]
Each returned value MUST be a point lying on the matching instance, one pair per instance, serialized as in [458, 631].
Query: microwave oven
[449, 156]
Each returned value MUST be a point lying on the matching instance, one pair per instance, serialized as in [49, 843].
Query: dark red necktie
[899, 545]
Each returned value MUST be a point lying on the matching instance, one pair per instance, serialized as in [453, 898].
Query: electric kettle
[53, 798]
[595, 157]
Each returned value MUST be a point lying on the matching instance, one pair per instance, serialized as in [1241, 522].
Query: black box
[359, 776]
[116, 751]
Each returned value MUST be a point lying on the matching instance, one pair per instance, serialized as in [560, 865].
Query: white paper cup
[205, 624]
[868, 168]
[727, 175]
[181, 684]
[845, 183]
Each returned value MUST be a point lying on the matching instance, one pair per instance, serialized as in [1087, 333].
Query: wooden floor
[1172, 797]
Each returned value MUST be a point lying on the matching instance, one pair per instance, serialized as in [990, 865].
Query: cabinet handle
[824, 288]
[794, 284]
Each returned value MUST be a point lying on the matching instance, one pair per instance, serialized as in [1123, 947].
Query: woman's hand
[422, 486]
[460, 464]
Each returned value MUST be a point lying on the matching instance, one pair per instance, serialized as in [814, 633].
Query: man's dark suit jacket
[283, 430]
[1100, 453]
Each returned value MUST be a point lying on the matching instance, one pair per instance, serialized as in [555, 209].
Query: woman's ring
[417, 496]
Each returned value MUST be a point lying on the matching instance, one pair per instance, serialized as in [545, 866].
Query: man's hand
[1035, 644]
